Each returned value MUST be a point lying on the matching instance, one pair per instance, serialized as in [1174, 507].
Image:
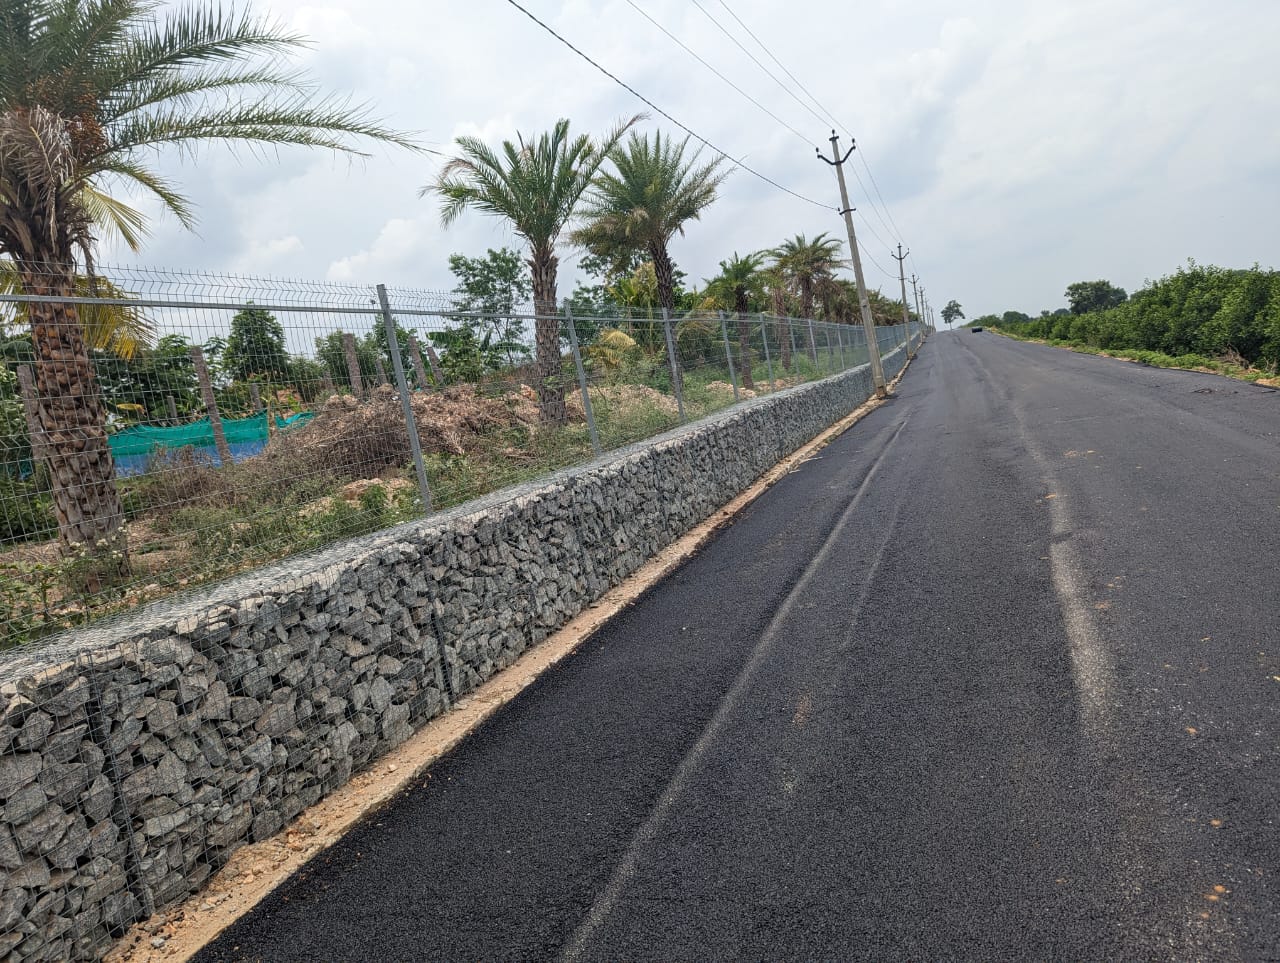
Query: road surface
[996, 676]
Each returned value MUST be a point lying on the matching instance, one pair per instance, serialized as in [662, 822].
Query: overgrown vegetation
[1201, 316]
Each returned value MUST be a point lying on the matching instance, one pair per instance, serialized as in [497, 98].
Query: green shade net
[245, 436]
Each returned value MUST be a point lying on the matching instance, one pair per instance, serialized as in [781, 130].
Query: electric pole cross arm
[864, 304]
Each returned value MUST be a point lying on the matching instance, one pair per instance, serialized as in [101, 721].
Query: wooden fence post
[211, 404]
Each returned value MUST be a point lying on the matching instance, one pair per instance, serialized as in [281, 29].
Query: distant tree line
[1199, 309]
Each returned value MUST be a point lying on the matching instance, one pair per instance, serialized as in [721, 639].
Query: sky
[1016, 146]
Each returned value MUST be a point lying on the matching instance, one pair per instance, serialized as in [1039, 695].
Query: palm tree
[88, 90]
[804, 263]
[738, 283]
[536, 185]
[119, 329]
[775, 284]
[655, 190]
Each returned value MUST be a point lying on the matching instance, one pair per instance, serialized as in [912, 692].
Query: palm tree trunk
[806, 309]
[550, 387]
[780, 309]
[744, 352]
[664, 271]
[69, 407]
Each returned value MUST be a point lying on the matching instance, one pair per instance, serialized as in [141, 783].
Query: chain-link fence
[159, 429]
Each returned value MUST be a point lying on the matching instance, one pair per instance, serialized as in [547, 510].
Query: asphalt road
[996, 676]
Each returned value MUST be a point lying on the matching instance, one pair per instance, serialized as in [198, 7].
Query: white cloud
[1020, 146]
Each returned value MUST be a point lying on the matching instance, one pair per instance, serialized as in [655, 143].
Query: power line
[894, 229]
[756, 60]
[867, 254]
[704, 63]
[783, 66]
[863, 157]
[639, 96]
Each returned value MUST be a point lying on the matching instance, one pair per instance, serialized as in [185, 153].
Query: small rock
[157, 942]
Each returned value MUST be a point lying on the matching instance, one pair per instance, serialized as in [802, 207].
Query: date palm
[738, 283]
[777, 288]
[804, 263]
[536, 185]
[90, 90]
[641, 205]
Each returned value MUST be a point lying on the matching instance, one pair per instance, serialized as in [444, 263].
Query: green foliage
[15, 446]
[802, 263]
[469, 356]
[256, 347]
[649, 196]
[496, 286]
[102, 86]
[534, 183]
[1203, 311]
[952, 312]
[152, 374]
[739, 286]
[26, 511]
[333, 357]
[1086, 297]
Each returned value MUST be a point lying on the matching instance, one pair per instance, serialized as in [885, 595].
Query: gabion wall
[136, 756]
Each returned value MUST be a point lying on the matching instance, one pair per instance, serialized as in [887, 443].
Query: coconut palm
[655, 190]
[738, 283]
[535, 184]
[89, 90]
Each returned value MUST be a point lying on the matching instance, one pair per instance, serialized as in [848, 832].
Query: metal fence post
[728, 356]
[406, 400]
[768, 362]
[675, 363]
[582, 380]
[813, 346]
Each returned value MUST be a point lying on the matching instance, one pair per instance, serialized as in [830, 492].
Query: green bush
[1199, 312]
[26, 512]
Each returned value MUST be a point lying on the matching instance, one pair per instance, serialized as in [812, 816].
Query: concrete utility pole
[868, 323]
[919, 313]
[906, 314]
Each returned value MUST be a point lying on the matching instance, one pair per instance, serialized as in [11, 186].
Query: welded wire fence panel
[179, 428]
[159, 430]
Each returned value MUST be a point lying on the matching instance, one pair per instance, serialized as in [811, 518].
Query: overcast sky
[1019, 145]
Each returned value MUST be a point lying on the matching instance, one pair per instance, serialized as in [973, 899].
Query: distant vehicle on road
[976, 328]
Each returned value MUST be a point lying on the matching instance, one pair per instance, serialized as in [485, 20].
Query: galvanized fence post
[728, 356]
[406, 400]
[582, 380]
[675, 363]
[768, 362]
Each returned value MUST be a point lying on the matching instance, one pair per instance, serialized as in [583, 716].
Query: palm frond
[115, 217]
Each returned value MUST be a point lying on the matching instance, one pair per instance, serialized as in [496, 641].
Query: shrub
[26, 512]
